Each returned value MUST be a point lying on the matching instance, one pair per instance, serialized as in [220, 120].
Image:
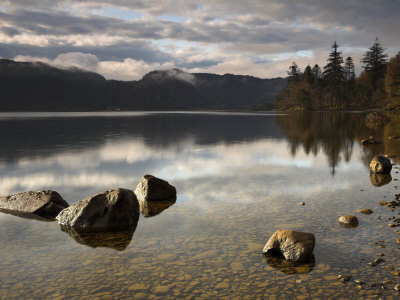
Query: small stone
[359, 281]
[395, 273]
[365, 211]
[387, 282]
[398, 241]
[302, 203]
[344, 278]
[372, 264]
[222, 285]
[378, 260]
[397, 287]
[380, 164]
[348, 221]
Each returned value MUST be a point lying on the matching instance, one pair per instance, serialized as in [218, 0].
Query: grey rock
[380, 164]
[365, 211]
[348, 221]
[152, 188]
[110, 210]
[46, 204]
[293, 245]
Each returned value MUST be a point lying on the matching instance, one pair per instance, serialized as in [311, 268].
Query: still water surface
[240, 177]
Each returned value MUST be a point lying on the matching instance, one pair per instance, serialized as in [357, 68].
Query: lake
[239, 178]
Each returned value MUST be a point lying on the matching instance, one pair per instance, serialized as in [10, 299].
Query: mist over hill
[27, 86]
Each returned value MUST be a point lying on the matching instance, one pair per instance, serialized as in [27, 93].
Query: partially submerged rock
[153, 208]
[380, 164]
[365, 211]
[152, 188]
[379, 179]
[46, 204]
[394, 137]
[293, 245]
[348, 221]
[111, 210]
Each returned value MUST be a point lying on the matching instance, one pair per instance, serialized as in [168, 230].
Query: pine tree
[334, 75]
[294, 73]
[316, 70]
[375, 61]
[350, 76]
[308, 75]
[349, 69]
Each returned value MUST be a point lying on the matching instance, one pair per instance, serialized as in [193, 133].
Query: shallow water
[240, 177]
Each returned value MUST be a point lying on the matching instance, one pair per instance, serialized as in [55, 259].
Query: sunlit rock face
[380, 165]
[46, 204]
[112, 209]
[293, 245]
[152, 188]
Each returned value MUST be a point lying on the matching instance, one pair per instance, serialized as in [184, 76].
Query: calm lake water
[240, 177]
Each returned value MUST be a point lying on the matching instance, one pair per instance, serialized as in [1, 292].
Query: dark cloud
[47, 28]
[116, 52]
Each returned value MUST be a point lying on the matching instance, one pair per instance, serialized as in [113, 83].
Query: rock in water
[365, 211]
[46, 204]
[111, 210]
[380, 164]
[348, 221]
[153, 188]
[293, 245]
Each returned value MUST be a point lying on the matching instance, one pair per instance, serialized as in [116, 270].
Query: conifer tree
[349, 69]
[375, 61]
[350, 76]
[316, 70]
[294, 73]
[334, 75]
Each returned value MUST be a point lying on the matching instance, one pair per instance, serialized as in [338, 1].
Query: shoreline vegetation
[336, 87]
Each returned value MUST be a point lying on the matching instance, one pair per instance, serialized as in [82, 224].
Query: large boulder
[293, 245]
[380, 164]
[111, 210]
[46, 204]
[152, 188]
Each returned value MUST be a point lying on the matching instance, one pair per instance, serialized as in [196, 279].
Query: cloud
[242, 37]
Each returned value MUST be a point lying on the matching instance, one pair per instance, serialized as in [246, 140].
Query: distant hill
[26, 86]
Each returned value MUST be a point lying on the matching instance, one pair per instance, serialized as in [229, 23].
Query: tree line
[336, 86]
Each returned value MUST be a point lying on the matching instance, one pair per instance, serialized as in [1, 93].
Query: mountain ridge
[36, 86]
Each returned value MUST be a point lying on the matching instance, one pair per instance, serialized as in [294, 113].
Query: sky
[125, 39]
